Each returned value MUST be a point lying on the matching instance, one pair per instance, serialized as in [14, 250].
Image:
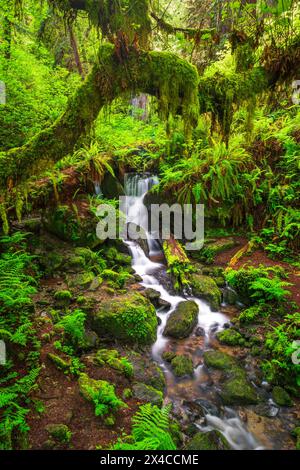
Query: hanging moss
[130, 17]
[220, 93]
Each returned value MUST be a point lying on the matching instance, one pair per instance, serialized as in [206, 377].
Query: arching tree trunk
[172, 80]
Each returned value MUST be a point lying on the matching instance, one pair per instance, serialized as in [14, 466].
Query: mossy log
[164, 75]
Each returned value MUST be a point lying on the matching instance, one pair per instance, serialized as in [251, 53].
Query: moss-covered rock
[238, 390]
[112, 358]
[219, 360]
[182, 365]
[146, 371]
[111, 187]
[63, 297]
[82, 280]
[59, 432]
[206, 288]
[129, 318]
[231, 337]
[281, 397]
[148, 394]
[212, 440]
[69, 226]
[168, 356]
[153, 295]
[183, 320]
[60, 363]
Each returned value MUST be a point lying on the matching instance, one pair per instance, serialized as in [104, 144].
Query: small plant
[73, 326]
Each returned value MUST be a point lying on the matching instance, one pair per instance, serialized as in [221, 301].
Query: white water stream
[136, 187]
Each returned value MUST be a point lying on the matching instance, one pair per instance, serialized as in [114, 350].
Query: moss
[168, 356]
[281, 397]
[230, 337]
[59, 362]
[179, 265]
[127, 393]
[130, 319]
[212, 440]
[65, 222]
[218, 360]
[182, 365]
[205, 287]
[64, 297]
[148, 394]
[182, 321]
[238, 391]
[110, 421]
[59, 432]
[112, 358]
[82, 280]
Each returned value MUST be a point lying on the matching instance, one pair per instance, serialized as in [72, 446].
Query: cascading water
[151, 271]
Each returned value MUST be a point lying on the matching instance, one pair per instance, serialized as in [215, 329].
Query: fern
[150, 430]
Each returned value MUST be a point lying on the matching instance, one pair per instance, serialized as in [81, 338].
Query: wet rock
[238, 390]
[219, 360]
[182, 366]
[168, 356]
[212, 440]
[281, 397]
[207, 407]
[111, 187]
[268, 410]
[148, 394]
[164, 304]
[129, 318]
[182, 321]
[206, 288]
[153, 295]
[230, 337]
[200, 331]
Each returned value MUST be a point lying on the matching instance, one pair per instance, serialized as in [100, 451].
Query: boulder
[238, 390]
[219, 360]
[183, 320]
[206, 288]
[153, 295]
[130, 318]
[111, 187]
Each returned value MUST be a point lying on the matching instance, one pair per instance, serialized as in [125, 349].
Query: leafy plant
[150, 430]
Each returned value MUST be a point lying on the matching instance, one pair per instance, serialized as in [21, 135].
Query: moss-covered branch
[164, 75]
[190, 33]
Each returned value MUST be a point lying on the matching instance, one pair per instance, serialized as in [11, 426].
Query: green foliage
[260, 283]
[280, 368]
[73, 326]
[150, 430]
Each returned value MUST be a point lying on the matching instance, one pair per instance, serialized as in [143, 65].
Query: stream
[199, 388]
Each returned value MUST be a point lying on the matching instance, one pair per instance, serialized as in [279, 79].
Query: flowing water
[152, 270]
